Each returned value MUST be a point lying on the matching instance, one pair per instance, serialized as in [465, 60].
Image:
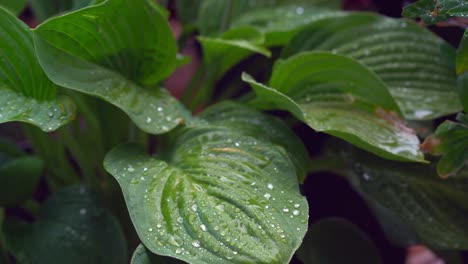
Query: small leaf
[118, 51]
[413, 198]
[26, 94]
[339, 96]
[143, 256]
[227, 192]
[15, 6]
[19, 179]
[73, 227]
[337, 241]
[416, 65]
[434, 11]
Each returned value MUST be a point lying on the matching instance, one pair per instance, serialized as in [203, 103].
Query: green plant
[223, 186]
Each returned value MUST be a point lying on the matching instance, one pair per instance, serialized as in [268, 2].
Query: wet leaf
[339, 96]
[118, 51]
[227, 191]
[26, 94]
[416, 65]
[143, 256]
[434, 11]
[73, 227]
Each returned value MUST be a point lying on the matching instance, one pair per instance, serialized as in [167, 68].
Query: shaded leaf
[339, 96]
[337, 241]
[15, 6]
[44, 9]
[433, 11]
[118, 51]
[143, 256]
[73, 227]
[416, 65]
[26, 94]
[462, 70]
[226, 192]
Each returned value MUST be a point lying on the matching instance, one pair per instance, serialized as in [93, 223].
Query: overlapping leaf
[73, 227]
[416, 65]
[433, 11]
[15, 6]
[143, 256]
[26, 94]
[227, 192]
[118, 51]
[339, 96]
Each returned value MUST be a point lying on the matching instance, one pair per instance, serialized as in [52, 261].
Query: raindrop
[130, 169]
[150, 229]
[82, 211]
[194, 207]
[300, 10]
[295, 212]
[267, 195]
[366, 177]
[196, 243]
[178, 251]
[203, 227]
[270, 186]
[285, 210]
[148, 120]
[180, 220]
[297, 205]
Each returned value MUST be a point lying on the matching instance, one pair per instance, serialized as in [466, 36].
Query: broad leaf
[19, 179]
[339, 96]
[73, 227]
[118, 51]
[412, 202]
[143, 256]
[451, 141]
[337, 241]
[416, 65]
[44, 9]
[227, 192]
[26, 94]
[434, 11]
[15, 6]
[462, 70]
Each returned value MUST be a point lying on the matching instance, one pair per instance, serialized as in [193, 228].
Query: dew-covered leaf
[450, 140]
[339, 96]
[416, 65]
[15, 6]
[26, 94]
[226, 192]
[434, 11]
[72, 227]
[337, 241]
[118, 51]
[143, 256]
[412, 202]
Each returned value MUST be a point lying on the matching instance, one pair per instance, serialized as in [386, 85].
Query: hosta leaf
[462, 70]
[73, 227]
[19, 179]
[26, 94]
[337, 241]
[143, 256]
[15, 6]
[413, 197]
[433, 11]
[416, 65]
[227, 192]
[339, 96]
[451, 141]
[44, 9]
[118, 51]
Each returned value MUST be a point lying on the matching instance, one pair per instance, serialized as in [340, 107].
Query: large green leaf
[26, 94]
[73, 227]
[339, 96]
[118, 51]
[412, 202]
[143, 256]
[337, 241]
[227, 192]
[15, 6]
[416, 65]
[462, 70]
[44, 9]
[433, 11]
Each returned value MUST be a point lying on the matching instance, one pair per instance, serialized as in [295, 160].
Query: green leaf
[414, 198]
[118, 51]
[339, 96]
[15, 6]
[227, 192]
[44, 9]
[416, 65]
[337, 241]
[143, 256]
[462, 70]
[19, 179]
[73, 227]
[231, 47]
[26, 94]
[451, 141]
[434, 11]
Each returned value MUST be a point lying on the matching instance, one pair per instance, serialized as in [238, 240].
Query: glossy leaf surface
[337, 241]
[143, 256]
[118, 51]
[431, 11]
[73, 227]
[26, 94]
[227, 192]
[339, 96]
[416, 65]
